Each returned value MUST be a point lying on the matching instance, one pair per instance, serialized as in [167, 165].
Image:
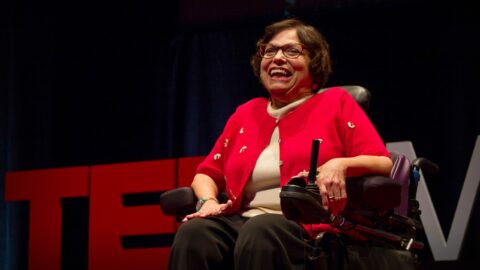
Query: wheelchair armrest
[178, 202]
[302, 202]
[374, 192]
[181, 201]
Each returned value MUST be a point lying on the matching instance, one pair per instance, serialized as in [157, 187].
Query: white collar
[280, 112]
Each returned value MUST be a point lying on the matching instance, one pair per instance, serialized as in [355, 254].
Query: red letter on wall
[110, 220]
[44, 189]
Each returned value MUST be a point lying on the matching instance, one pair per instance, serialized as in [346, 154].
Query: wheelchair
[381, 209]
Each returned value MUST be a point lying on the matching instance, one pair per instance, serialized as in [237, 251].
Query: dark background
[92, 82]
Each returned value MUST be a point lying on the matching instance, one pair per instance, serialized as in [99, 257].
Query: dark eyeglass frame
[284, 48]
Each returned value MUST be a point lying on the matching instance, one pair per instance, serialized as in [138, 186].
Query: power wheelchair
[381, 209]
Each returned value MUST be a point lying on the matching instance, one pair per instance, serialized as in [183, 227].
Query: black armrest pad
[373, 192]
[178, 202]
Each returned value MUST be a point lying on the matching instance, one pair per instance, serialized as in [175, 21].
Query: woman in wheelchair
[264, 144]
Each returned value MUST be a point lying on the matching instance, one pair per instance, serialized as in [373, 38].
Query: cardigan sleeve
[357, 133]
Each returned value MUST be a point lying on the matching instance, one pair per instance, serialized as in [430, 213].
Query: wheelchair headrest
[359, 93]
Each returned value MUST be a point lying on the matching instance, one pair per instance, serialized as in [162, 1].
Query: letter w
[445, 250]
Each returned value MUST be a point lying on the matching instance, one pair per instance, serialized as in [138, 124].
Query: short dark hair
[320, 66]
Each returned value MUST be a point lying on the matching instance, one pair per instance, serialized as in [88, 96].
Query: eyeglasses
[289, 50]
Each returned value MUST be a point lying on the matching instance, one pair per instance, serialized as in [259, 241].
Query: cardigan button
[280, 163]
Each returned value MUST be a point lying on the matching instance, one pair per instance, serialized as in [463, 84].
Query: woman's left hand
[331, 182]
[210, 208]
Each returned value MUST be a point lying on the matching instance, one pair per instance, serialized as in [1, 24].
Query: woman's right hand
[210, 208]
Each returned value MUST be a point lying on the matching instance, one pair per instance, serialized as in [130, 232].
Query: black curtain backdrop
[87, 83]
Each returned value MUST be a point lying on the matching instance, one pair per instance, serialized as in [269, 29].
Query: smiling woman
[264, 144]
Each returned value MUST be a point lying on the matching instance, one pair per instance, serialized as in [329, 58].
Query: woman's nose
[279, 56]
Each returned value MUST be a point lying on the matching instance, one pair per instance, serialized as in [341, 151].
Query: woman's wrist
[202, 200]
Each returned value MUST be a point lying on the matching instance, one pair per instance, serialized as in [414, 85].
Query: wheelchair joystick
[300, 199]
[312, 174]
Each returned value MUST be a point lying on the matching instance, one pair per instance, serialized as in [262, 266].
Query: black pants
[271, 242]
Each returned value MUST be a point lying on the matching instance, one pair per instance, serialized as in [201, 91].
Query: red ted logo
[109, 219]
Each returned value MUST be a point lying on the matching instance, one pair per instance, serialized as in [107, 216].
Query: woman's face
[286, 79]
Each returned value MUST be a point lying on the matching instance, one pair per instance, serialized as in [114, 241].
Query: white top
[261, 193]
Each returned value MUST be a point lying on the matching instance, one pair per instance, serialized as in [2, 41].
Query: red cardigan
[332, 116]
